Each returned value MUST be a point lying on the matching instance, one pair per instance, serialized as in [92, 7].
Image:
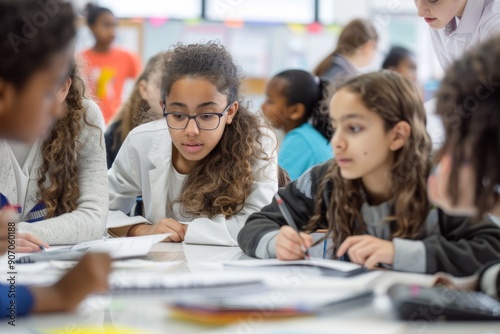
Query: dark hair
[304, 88]
[355, 34]
[31, 31]
[469, 105]
[395, 56]
[93, 13]
[220, 183]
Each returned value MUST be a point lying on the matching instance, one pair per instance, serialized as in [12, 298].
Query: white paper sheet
[116, 247]
[119, 219]
[314, 262]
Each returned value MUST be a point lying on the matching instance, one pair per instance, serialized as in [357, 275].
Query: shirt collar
[469, 21]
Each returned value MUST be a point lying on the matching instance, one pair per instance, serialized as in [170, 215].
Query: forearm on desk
[128, 231]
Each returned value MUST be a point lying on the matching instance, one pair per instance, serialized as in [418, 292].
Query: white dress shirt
[480, 20]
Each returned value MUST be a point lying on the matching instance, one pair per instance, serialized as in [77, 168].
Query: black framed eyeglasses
[205, 121]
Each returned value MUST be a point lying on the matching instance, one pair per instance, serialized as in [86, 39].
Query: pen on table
[289, 221]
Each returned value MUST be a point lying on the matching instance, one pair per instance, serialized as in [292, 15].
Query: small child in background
[372, 197]
[142, 106]
[403, 61]
[205, 167]
[108, 67]
[293, 104]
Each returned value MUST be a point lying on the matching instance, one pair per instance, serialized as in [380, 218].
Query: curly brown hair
[468, 102]
[58, 185]
[394, 99]
[136, 110]
[220, 183]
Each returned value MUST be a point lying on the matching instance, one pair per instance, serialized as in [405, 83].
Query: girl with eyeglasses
[205, 167]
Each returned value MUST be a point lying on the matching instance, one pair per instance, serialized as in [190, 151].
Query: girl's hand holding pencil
[291, 245]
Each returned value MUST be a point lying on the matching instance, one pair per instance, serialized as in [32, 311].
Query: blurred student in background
[293, 104]
[142, 106]
[403, 61]
[356, 48]
[108, 67]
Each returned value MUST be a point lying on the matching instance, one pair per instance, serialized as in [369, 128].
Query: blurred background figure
[142, 106]
[293, 104]
[356, 48]
[108, 67]
[403, 61]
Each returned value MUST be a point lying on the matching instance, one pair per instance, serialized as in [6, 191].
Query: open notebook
[324, 266]
[118, 248]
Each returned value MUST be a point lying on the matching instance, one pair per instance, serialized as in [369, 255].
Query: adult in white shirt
[458, 25]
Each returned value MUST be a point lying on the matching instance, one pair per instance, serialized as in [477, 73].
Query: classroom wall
[263, 50]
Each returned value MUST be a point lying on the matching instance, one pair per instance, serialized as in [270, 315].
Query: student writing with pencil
[373, 198]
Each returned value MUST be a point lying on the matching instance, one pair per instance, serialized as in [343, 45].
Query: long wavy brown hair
[60, 153]
[136, 110]
[220, 183]
[394, 99]
[355, 34]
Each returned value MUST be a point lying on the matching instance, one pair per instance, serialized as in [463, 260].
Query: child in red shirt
[107, 67]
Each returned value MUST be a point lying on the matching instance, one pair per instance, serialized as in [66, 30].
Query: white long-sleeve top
[143, 167]
[19, 185]
[480, 21]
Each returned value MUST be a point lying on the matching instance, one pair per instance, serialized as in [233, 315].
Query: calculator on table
[417, 303]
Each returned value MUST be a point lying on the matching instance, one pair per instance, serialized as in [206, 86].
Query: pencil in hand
[289, 220]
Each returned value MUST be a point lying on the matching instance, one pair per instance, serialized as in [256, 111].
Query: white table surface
[148, 314]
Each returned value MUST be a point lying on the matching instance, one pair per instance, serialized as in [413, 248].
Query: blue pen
[289, 220]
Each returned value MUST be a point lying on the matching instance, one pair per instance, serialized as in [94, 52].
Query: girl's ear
[296, 111]
[400, 135]
[143, 89]
[231, 112]
[63, 93]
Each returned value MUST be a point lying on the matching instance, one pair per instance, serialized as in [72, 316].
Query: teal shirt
[302, 148]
